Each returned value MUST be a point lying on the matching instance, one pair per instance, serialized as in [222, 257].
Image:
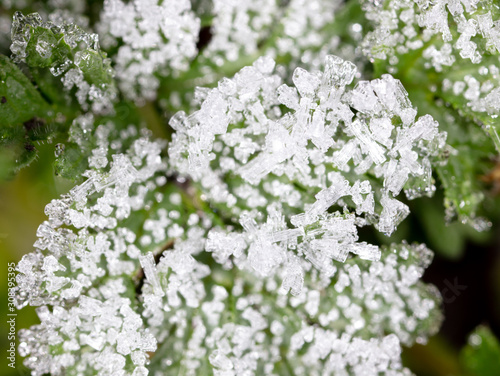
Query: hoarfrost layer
[263, 152]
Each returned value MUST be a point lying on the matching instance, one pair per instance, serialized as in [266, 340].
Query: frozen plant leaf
[69, 53]
[271, 155]
[154, 39]
[452, 46]
[238, 253]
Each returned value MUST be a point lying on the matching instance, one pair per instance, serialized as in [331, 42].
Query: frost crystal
[247, 153]
[452, 34]
[154, 38]
[70, 53]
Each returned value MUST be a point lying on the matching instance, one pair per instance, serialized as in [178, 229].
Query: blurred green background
[22, 202]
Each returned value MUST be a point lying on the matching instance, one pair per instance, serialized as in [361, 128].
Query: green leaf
[481, 356]
[25, 118]
[71, 162]
[20, 101]
[446, 239]
[73, 56]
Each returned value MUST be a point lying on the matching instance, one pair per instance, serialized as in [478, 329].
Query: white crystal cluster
[285, 160]
[238, 27]
[448, 31]
[72, 69]
[243, 324]
[154, 39]
[98, 335]
[458, 23]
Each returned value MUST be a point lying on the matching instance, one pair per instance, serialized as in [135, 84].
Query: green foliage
[481, 356]
[24, 119]
[20, 99]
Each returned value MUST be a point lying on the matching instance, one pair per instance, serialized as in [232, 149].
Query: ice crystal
[248, 153]
[154, 38]
[453, 33]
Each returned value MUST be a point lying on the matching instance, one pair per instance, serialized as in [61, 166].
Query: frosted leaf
[383, 138]
[280, 178]
[468, 33]
[104, 352]
[237, 28]
[70, 53]
[156, 38]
